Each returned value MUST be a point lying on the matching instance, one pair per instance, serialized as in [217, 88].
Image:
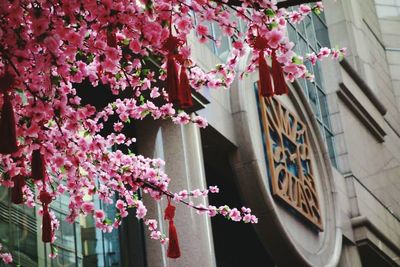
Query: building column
[180, 147]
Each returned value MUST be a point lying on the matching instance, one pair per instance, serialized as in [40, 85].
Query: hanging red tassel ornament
[265, 77]
[280, 86]
[184, 93]
[47, 232]
[38, 166]
[173, 250]
[111, 38]
[8, 137]
[260, 44]
[178, 88]
[17, 196]
[172, 79]
[6, 81]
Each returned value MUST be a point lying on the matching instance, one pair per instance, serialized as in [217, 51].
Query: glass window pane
[331, 147]
[292, 34]
[18, 231]
[223, 50]
[310, 32]
[303, 46]
[321, 31]
[313, 97]
[324, 108]
[317, 74]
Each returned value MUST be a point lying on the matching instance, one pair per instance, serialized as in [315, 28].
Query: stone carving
[289, 161]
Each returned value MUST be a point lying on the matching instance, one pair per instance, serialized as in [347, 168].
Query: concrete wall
[388, 12]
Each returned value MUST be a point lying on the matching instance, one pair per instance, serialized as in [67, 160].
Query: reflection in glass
[18, 231]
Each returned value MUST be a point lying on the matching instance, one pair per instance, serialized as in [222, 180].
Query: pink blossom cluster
[50, 47]
[5, 256]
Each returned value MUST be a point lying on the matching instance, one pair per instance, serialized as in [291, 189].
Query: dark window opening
[236, 244]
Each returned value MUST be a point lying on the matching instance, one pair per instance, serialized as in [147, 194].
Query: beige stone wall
[370, 29]
[388, 12]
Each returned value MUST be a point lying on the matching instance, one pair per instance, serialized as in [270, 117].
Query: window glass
[98, 248]
[224, 43]
[321, 31]
[18, 231]
[309, 36]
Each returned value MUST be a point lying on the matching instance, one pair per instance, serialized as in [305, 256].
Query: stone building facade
[320, 167]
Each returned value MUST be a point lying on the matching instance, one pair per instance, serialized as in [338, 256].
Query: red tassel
[111, 39]
[169, 212]
[173, 250]
[8, 137]
[17, 196]
[184, 93]
[6, 81]
[265, 78]
[172, 79]
[280, 86]
[47, 232]
[38, 166]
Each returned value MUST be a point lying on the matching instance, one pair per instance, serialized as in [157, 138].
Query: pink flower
[87, 207]
[246, 210]
[177, 198]
[154, 92]
[247, 218]
[214, 189]
[182, 118]
[196, 193]
[120, 204]
[200, 122]
[99, 214]
[155, 235]
[234, 214]
[134, 45]
[320, 6]
[305, 9]
[312, 58]
[274, 38]
[6, 257]
[238, 45]
[118, 126]
[296, 17]
[324, 52]
[141, 210]
[119, 139]
[152, 224]
[184, 194]
[212, 211]
[202, 30]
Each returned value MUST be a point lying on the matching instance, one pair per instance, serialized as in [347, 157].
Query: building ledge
[363, 86]
[375, 247]
[362, 114]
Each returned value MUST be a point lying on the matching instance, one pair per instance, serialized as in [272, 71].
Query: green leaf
[107, 221]
[272, 25]
[118, 76]
[145, 113]
[316, 10]
[89, 58]
[297, 60]
[62, 169]
[56, 80]
[141, 99]
[125, 41]
[73, 70]
[269, 12]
